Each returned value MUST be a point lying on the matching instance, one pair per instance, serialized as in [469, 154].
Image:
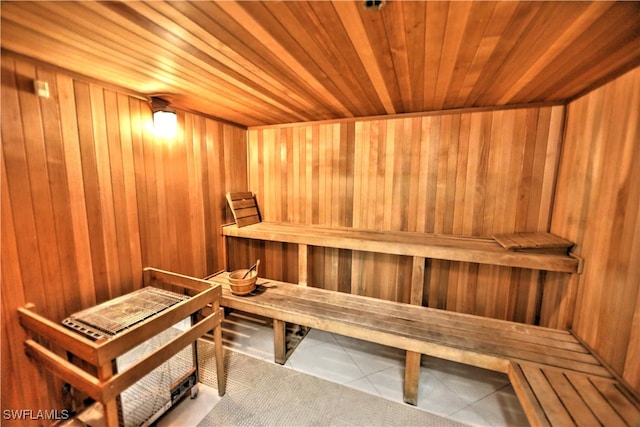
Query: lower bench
[552, 397]
[512, 348]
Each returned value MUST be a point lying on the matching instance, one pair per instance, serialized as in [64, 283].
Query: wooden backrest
[244, 208]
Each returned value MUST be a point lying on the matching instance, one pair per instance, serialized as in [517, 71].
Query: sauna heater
[146, 400]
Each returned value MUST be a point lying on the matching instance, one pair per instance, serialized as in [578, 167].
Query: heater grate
[149, 396]
[114, 316]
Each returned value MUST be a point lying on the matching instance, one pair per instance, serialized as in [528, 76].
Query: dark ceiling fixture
[374, 4]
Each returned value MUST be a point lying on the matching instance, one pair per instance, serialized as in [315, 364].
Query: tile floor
[473, 396]
[465, 394]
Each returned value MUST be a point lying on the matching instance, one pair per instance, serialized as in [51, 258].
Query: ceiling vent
[374, 4]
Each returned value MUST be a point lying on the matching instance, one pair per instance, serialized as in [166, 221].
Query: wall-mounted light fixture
[165, 121]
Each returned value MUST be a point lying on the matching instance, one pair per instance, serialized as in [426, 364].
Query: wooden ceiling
[257, 63]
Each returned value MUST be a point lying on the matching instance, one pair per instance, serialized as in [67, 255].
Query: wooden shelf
[453, 248]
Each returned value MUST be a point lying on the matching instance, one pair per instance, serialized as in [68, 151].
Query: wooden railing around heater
[106, 385]
[554, 374]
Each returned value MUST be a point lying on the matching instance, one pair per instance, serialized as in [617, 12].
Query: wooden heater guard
[106, 385]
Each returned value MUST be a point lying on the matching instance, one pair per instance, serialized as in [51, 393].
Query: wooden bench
[552, 397]
[549, 368]
[515, 349]
[418, 245]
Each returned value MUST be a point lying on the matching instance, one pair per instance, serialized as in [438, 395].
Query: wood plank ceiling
[259, 63]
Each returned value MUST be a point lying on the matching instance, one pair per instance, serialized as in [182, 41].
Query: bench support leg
[280, 341]
[411, 377]
[302, 264]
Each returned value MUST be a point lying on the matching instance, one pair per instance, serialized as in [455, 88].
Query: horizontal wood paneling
[469, 173]
[597, 205]
[273, 62]
[90, 197]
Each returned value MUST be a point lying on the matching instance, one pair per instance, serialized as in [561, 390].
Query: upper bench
[452, 248]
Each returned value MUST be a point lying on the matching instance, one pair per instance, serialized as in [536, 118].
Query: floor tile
[191, 411]
[371, 357]
[501, 408]
[470, 417]
[466, 394]
[389, 383]
[317, 337]
[468, 382]
[434, 396]
[328, 361]
[249, 335]
[364, 384]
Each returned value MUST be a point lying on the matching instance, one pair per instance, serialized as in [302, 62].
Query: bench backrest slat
[244, 208]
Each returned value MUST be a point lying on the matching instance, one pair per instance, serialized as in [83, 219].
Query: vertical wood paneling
[470, 173]
[12, 355]
[90, 197]
[597, 205]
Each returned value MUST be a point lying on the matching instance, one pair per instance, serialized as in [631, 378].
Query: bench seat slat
[593, 399]
[527, 397]
[553, 407]
[410, 325]
[575, 405]
[425, 314]
[453, 248]
[466, 341]
[413, 326]
[619, 402]
[572, 398]
[431, 315]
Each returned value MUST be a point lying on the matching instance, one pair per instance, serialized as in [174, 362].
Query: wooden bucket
[240, 286]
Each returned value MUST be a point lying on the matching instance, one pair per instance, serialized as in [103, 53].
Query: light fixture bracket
[159, 104]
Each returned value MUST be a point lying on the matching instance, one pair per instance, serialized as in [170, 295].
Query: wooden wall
[90, 197]
[597, 205]
[466, 173]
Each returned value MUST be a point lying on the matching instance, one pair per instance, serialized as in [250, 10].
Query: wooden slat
[413, 323]
[122, 380]
[597, 207]
[538, 240]
[101, 383]
[551, 404]
[65, 369]
[574, 404]
[111, 349]
[627, 409]
[593, 398]
[412, 244]
[571, 398]
[527, 397]
[246, 212]
[244, 208]
[268, 63]
[421, 187]
[116, 198]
